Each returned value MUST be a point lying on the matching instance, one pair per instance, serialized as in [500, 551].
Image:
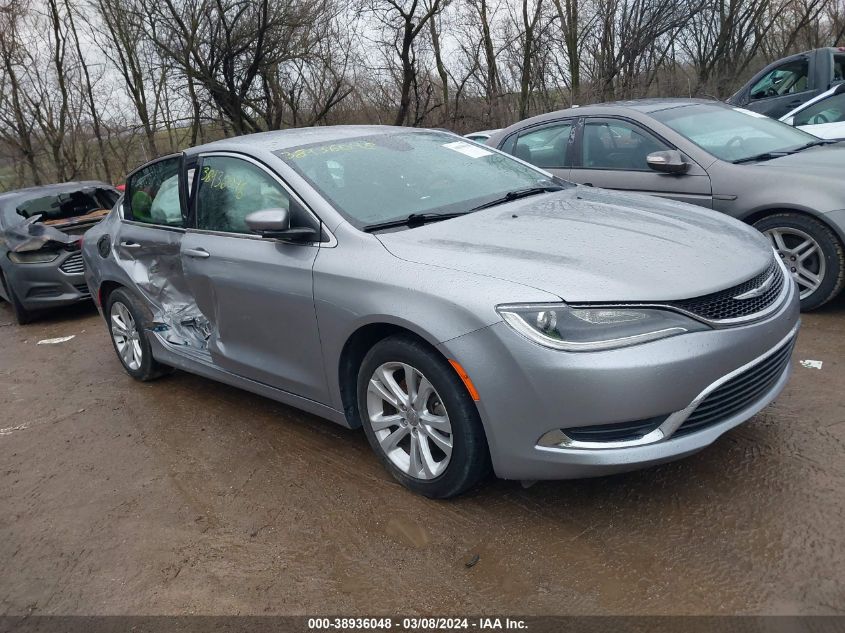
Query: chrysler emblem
[759, 290]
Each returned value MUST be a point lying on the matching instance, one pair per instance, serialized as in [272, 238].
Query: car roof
[294, 137]
[645, 106]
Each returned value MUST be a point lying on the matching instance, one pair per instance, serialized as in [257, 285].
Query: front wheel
[22, 315]
[420, 419]
[812, 254]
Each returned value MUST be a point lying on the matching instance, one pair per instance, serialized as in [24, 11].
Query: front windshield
[732, 134]
[383, 177]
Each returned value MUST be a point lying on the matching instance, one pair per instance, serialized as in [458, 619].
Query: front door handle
[200, 253]
[588, 184]
[130, 245]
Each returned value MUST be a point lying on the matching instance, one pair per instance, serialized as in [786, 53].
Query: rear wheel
[130, 339]
[420, 420]
[812, 254]
[22, 315]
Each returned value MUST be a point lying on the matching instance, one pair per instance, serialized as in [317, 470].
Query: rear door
[149, 236]
[256, 293]
[611, 153]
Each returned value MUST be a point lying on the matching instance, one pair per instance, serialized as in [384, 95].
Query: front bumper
[52, 284]
[528, 392]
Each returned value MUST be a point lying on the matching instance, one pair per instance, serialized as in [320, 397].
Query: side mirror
[669, 161]
[275, 224]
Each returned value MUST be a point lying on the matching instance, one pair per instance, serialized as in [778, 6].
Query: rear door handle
[200, 253]
[130, 245]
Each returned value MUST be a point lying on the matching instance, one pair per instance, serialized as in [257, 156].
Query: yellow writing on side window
[328, 149]
[219, 179]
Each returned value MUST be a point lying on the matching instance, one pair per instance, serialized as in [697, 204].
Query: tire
[22, 315]
[434, 474]
[135, 353]
[791, 234]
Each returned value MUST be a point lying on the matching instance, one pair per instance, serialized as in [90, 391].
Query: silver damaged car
[468, 310]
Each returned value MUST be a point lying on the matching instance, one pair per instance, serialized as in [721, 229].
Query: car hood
[584, 244]
[824, 162]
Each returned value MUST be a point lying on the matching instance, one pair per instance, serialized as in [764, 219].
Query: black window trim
[579, 143]
[328, 240]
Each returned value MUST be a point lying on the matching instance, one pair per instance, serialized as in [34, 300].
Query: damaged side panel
[150, 258]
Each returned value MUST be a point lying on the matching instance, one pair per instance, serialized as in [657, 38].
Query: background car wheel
[420, 420]
[130, 339]
[22, 315]
[811, 252]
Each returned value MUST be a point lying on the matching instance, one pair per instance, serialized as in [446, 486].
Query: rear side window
[839, 68]
[545, 146]
[152, 194]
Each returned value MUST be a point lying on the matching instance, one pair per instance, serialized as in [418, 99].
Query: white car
[823, 116]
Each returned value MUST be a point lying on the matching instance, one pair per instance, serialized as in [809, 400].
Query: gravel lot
[187, 496]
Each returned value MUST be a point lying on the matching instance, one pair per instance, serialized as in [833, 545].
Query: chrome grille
[723, 305]
[739, 392]
[73, 265]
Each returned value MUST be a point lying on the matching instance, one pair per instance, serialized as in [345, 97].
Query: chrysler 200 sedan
[468, 310]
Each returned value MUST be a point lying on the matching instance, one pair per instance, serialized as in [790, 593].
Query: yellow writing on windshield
[327, 149]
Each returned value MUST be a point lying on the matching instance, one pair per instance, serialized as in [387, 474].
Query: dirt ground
[186, 496]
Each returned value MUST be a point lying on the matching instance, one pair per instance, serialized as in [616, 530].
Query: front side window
[546, 146]
[383, 177]
[152, 194]
[612, 144]
[229, 189]
[830, 110]
[732, 134]
[786, 79]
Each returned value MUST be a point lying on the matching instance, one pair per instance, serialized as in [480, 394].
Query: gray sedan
[466, 309]
[40, 231]
[785, 182]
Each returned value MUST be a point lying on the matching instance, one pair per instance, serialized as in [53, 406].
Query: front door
[612, 154]
[256, 293]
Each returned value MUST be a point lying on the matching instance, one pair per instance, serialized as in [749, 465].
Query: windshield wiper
[784, 152]
[516, 194]
[763, 156]
[823, 141]
[414, 219]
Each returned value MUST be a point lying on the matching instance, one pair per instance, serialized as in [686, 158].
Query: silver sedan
[469, 311]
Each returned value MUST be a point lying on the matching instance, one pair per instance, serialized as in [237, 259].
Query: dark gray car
[463, 307]
[785, 182]
[40, 230]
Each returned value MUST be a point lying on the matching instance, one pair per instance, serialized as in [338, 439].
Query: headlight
[33, 257]
[559, 326]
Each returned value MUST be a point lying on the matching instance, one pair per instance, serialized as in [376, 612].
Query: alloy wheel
[125, 335]
[802, 256]
[409, 420]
